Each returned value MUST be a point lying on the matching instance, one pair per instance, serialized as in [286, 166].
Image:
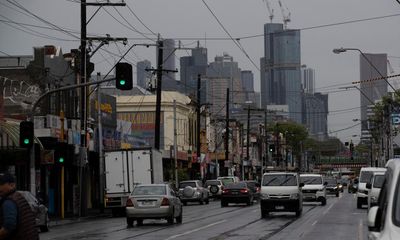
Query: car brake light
[244, 190]
[257, 189]
[165, 202]
[225, 191]
[129, 203]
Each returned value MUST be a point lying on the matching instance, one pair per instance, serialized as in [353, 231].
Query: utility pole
[175, 149]
[266, 142]
[100, 143]
[158, 94]
[198, 121]
[247, 139]
[227, 127]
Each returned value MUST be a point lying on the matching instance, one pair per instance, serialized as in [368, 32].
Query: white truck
[126, 168]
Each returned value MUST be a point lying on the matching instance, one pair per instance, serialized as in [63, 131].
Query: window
[149, 190]
[365, 176]
[185, 184]
[396, 204]
[308, 180]
[279, 180]
[378, 181]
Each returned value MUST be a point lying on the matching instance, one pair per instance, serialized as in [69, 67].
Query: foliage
[295, 134]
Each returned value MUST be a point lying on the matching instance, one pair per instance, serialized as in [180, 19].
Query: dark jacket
[26, 225]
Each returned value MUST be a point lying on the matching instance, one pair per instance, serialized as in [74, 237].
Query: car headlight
[294, 196]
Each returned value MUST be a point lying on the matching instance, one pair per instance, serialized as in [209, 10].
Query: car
[332, 187]
[281, 192]
[384, 219]
[353, 185]
[214, 187]
[228, 179]
[239, 192]
[374, 188]
[314, 189]
[40, 211]
[255, 187]
[153, 201]
[365, 177]
[193, 191]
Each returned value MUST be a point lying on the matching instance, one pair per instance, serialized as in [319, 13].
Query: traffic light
[123, 75]
[26, 134]
[60, 154]
[272, 148]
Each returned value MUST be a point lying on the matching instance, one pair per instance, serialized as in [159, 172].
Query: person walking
[17, 220]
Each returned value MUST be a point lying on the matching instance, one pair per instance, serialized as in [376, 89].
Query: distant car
[365, 177]
[193, 191]
[40, 211]
[237, 193]
[153, 201]
[353, 185]
[215, 187]
[374, 188]
[332, 186]
[314, 188]
[255, 187]
[228, 179]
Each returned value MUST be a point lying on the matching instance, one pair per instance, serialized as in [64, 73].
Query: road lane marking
[329, 208]
[360, 230]
[195, 230]
[314, 223]
[256, 210]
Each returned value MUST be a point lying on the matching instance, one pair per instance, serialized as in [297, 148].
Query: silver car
[193, 191]
[153, 201]
[39, 210]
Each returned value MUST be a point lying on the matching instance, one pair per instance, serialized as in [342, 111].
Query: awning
[11, 129]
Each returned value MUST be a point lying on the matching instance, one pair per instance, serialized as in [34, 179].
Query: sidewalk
[91, 214]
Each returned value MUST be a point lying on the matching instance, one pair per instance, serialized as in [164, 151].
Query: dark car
[255, 187]
[237, 193]
[40, 211]
[353, 186]
[332, 186]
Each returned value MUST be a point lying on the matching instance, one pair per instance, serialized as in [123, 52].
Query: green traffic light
[61, 160]
[26, 141]
[122, 82]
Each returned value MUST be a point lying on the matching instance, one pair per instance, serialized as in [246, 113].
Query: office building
[142, 76]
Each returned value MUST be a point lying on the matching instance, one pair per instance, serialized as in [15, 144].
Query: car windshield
[331, 181]
[185, 184]
[365, 176]
[226, 181]
[308, 180]
[279, 180]
[378, 181]
[149, 190]
[236, 185]
[212, 182]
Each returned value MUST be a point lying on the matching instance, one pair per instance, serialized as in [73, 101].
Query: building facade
[142, 76]
[316, 115]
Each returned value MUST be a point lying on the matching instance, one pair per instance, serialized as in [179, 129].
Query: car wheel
[359, 204]
[170, 219]
[264, 213]
[129, 221]
[179, 218]
[298, 213]
[207, 200]
[45, 227]
[337, 194]
[184, 203]
[201, 200]
[224, 204]
[139, 222]
[249, 201]
[323, 201]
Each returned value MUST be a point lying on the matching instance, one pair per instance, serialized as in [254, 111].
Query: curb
[66, 221]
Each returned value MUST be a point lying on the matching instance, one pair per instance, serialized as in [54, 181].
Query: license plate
[147, 203]
[235, 193]
[279, 207]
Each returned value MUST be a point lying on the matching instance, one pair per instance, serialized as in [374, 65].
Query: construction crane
[271, 11]
[286, 17]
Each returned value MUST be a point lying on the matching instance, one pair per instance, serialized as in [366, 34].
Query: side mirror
[301, 184]
[325, 183]
[369, 186]
[371, 220]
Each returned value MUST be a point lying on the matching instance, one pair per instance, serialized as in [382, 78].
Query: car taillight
[225, 191]
[129, 203]
[165, 202]
[244, 190]
[258, 189]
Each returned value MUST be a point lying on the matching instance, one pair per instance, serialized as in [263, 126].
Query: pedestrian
[17, 220]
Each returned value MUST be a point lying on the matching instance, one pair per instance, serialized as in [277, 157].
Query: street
[339, 219]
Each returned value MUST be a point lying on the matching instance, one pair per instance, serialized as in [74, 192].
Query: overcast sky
[191, 20]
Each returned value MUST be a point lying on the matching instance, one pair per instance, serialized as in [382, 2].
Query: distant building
[308, 80]
[316, 115]
[280, 69]
[168, 78]
[143, 76]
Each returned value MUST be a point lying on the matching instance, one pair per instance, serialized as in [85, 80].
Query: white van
[374, 188]
[384, 219]
[365, 177]
[281, 192]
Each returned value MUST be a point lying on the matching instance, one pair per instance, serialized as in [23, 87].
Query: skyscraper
[307, 80]
[168, 78]
[281, 77]
[316, 115]
[190, 68]
[142, 76]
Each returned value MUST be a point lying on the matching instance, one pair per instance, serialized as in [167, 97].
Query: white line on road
[360, 230]
[255, 210]
[195, 230]
[329, 208]
[314, 223]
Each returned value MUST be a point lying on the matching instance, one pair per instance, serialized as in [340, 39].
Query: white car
[374, 188]
[365, 177]
[314, 189]
[281, 192]
[384, 219]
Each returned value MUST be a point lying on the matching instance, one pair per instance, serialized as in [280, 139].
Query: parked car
[353, 185]
[281, 192]
[314, 188]
[228, 179]
[384, 219]
[237, 193]
[153, 201]
[214, 187]
[365, 177]
[332, 187]
[40, 211]
[374, 188]
[255, 187]
[193, 191]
